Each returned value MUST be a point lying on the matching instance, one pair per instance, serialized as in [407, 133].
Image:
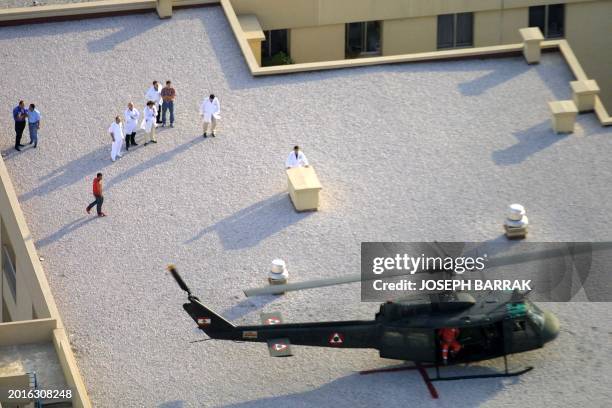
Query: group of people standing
[159, 106]
[21, 116]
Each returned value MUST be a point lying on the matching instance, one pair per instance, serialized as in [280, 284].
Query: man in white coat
[154, 94]
[210, 110]
[148, 123]
[296, 158]
[116, 132]
[131, 116]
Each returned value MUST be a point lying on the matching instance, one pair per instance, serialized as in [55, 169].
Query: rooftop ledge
[243, 34]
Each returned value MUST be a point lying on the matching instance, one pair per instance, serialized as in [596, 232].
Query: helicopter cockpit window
[535, 314]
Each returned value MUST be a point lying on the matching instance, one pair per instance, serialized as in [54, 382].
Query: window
[362, 39]
[549, 19]
[276, 41]
[455, 30]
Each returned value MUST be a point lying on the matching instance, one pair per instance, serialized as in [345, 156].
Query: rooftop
[406, 152]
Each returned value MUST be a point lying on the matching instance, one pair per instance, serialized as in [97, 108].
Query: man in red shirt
[99, 198]
[448, 340]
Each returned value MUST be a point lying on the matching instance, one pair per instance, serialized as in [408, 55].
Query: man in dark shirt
[19, 116]
[98, 196]
[168, 94]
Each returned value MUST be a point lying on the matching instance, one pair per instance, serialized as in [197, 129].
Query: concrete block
[563, 116]
[304, 188]
[164, 8]
[584, 93]
[532, 44]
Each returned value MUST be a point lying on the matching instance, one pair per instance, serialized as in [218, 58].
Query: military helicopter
[491, 326]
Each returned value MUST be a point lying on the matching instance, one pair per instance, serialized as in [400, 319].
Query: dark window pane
[556, 14]
[354, 38]
[446, 30]
[275, 42]
[465, 29]
[373, 36]
[537, 16]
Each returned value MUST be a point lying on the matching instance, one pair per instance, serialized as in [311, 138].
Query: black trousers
[19, 127]
[130, 139]
[159, 113]
[98, 203]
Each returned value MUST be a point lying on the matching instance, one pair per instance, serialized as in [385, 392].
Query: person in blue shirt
[33, 123]
[19, 116]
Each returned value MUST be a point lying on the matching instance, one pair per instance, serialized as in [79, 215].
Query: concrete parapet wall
[26, 332]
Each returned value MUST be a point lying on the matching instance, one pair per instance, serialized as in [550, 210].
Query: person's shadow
[70, 173]
[252, 224]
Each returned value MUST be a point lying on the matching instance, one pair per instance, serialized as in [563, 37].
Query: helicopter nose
[551, 327]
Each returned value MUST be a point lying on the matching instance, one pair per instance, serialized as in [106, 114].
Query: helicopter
[495, 325]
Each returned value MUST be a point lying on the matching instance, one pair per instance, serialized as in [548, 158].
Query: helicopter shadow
[247, 306]
[390, 390]
[251, 225]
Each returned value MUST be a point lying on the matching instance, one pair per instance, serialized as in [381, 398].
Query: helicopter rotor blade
[312, 284]
[546, 254]
[491, 263]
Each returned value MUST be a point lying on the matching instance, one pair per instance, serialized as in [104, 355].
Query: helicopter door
[408, 344]
[520, 335]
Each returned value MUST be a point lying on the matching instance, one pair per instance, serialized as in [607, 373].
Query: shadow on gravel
[154, 161]
[67, 229]
[172, 404]
[125, 31]
[247, 306]
[399, 389]
[499, 75]
[70, 173]
[253, 224]
[531, 141]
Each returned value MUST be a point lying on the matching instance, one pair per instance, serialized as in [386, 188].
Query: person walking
[148, 123]
[168, 93]
[131, 116]
[19, 116]
[116, 132]
[98, 196]
[154, 94]
[33, 124]
[210, 110]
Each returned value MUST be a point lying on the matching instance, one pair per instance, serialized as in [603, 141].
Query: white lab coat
[131, 120]
[116, 129]
[210, 110]
[148, 123]
[299, 161]
[154, 94]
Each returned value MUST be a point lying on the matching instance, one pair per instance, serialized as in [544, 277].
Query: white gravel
[404, 152]
[31, 3]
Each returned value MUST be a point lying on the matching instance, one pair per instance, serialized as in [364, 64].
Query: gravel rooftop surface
[29, 3]
[428, 151]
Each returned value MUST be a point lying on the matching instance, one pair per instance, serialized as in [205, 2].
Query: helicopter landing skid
[506, 373]
[429, 381]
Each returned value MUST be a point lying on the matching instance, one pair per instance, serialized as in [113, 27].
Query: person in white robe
[154, 94]
[116, 133]
[148, 123]
[131, 116]
[296, 158]
[210, 110]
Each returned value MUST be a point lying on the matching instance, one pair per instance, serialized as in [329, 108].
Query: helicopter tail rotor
[172, 269]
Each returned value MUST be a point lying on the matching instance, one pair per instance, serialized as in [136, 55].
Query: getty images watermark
[560, 271]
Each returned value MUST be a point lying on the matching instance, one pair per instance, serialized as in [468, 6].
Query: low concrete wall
[26, 332]
[33, 292]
